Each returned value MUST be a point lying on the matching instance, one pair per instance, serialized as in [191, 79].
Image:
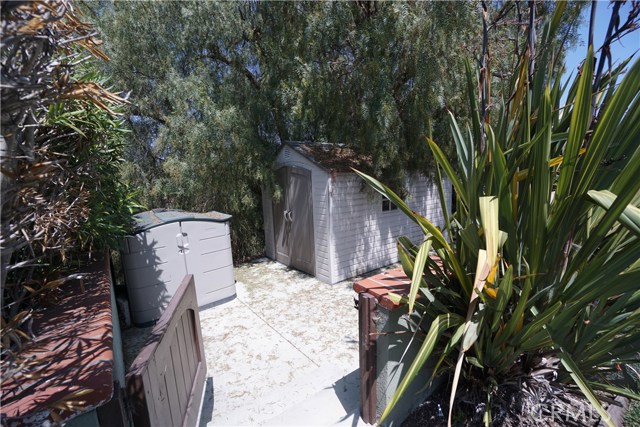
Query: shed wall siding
[320, 190]
[363, 236]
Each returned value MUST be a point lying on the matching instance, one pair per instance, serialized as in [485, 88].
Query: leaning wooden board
[166, 381]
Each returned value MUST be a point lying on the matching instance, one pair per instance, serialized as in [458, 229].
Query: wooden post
[368, 370]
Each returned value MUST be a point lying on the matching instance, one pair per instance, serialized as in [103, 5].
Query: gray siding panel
[363, 236]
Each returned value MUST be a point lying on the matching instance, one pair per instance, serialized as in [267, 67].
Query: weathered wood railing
[166, 380]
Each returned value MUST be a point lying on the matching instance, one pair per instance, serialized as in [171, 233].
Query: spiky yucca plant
[546, 261]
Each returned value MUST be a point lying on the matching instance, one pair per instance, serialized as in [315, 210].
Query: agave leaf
[541, 340]
[539, 183]
[580, 119]
[630, 217]
[505, 289]
[439, 242]
[471, 325]
[602, 319]
[470, 237]
[473, 102]
[405, 257]
[448, 169]
[399, 299]
[499, 163]
[418, 271]
[609, 127]
[449, 347]
[515, 322]
[582, 383]
[474, 361]
[473, 330]
[536, 326]
[489, 214]
[464, 149]
[618, 391]
[443, 201]
[630, 187]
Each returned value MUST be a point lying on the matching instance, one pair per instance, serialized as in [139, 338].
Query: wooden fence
[166, 380]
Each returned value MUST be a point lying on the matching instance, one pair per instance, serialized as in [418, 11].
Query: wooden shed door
[293, 220]
[281, 225]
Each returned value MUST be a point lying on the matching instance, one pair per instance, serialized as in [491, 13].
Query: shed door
[281, 225]
[293, 220]
[301, 219]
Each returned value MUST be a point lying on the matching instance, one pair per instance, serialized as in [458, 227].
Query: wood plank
[195, 397]
[184, 354]
[176, 368]
[190, 357]
[200, 375]
[155, 382]
[162, 398]
[190, 335]
[368, 368]
[187, 323]
[172, 399]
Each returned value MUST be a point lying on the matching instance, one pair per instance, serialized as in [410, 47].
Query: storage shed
[327, 225]
[167, 245]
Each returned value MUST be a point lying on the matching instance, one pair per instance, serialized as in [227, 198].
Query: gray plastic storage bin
[167, 245]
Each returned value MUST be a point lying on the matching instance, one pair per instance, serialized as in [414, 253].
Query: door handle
[290, 216]
[185, 242]
[183, 246]
[180, 242]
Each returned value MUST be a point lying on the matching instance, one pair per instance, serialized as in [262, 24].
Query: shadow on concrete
[206, 414]
[347, 389]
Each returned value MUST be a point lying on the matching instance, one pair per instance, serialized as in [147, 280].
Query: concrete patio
[284, 352]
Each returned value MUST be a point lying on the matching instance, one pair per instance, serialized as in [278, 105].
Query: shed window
[387, 205]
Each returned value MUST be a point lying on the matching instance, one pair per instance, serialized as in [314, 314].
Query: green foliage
[62, 146]
[217, 86]
[93, 141]
[545, 271]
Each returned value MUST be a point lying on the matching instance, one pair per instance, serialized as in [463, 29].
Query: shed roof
[332, 157]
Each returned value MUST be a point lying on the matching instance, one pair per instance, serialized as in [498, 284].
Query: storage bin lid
[156, 217]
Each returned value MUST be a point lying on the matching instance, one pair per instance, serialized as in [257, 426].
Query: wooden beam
[368, 369]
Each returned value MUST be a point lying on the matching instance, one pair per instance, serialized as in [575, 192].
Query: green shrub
[61, 144]
[542, 281]
[93, 141]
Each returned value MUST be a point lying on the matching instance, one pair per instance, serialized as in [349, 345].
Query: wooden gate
[166, 380]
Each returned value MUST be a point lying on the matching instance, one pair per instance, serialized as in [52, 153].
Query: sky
[619, 50]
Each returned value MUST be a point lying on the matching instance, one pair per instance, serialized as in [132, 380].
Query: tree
[217, 86]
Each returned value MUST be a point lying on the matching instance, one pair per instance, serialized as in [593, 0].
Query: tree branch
[217, 55]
